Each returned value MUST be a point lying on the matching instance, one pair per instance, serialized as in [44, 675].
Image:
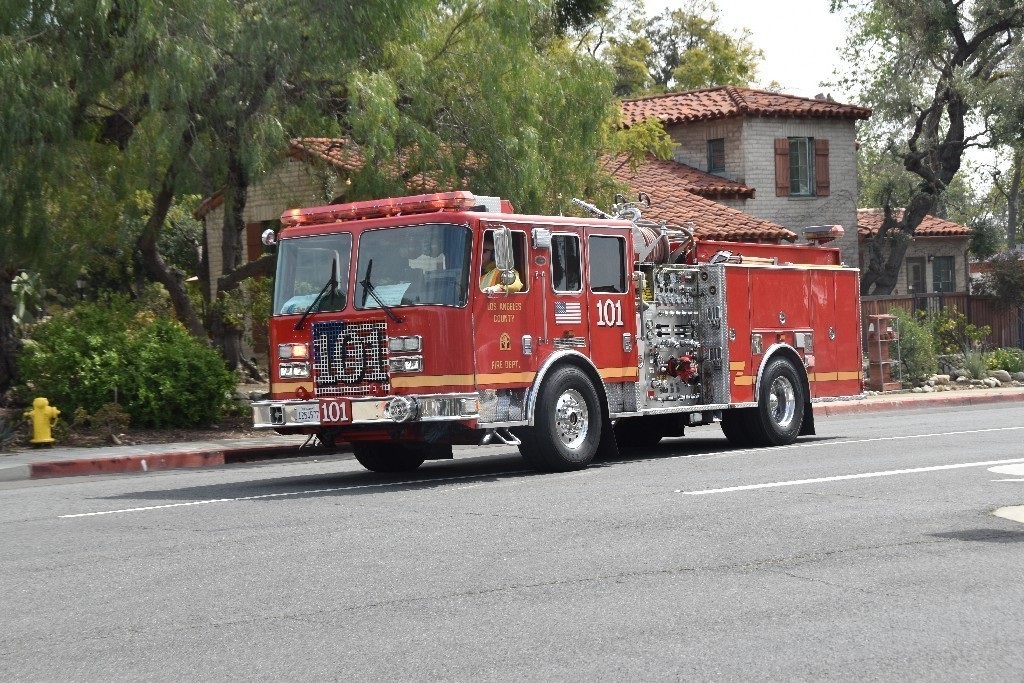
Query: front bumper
[343, 412]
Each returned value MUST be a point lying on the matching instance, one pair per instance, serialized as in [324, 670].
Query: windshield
[305, 266]
[415, 265]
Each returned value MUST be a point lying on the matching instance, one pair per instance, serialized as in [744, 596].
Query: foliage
[917, 345]
[109, 419]
[680, 49]
[986, 237]
[928, 69]
[1009, 359]
[1005, 278]
[689, 51]
[976, 364]
[952, 333]
[9, 431]
[113, 351]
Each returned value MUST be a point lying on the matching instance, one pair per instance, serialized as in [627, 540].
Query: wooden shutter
[253, 241]
[781, 167]
[821, 182]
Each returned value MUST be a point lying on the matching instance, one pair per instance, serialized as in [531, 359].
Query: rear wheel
[386, 457]
[567, 425]
[780, 409]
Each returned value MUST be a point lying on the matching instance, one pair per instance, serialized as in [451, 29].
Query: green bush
[976, 364]
[953, 334]
[109, 351]
[917, 346]
[1009, 359]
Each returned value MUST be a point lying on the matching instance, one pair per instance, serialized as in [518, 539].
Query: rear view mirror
[503, 257]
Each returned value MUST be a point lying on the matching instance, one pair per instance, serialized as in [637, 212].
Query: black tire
[780, 405]
[639, 432]
[386, 457]
[567, 423]
[736, 425]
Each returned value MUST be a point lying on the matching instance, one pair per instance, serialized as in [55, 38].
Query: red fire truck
[603, 332]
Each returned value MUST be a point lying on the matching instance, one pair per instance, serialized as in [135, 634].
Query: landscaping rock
[962, 379]
[1001, 375]
[942, 380]
[1018, 376]
[991, 382]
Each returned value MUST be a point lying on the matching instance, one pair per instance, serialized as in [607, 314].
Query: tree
[153, 103]
[689, 51]
[924, 67]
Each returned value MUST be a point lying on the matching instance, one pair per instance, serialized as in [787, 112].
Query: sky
[799, 39]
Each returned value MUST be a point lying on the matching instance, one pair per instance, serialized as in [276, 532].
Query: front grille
[350, 359]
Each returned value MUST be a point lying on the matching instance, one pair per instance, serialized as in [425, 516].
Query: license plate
[307, 414]
[334, 411]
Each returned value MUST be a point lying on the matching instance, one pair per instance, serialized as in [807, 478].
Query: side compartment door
[612, 304]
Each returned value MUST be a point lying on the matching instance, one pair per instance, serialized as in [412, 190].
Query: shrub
[953, 334]
[917, 346]
[176, 381]
[975, 363]
[110, 351]
[1011, 360]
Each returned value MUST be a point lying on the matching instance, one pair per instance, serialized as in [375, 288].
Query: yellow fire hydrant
[43, 417]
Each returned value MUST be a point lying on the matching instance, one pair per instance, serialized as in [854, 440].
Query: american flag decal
[567, 313]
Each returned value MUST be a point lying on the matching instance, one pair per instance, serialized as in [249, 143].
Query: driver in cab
[490, 276]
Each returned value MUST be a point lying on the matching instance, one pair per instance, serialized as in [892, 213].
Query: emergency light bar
[379, 208]
[820, 234]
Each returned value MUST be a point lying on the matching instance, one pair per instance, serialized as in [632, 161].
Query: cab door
[611, 304]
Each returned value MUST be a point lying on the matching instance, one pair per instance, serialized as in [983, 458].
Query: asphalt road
[869, 552]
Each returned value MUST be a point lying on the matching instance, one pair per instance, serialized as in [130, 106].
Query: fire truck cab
[394, 330]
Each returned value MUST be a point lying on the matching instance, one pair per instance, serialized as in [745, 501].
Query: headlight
[293, 370]
[410, 343]
[297, 350]
[406, 364]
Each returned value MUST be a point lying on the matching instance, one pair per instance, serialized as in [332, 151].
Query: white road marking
[1014, 470]
[731, 452]
[1014, 513]
[413, 482]
[842, 477]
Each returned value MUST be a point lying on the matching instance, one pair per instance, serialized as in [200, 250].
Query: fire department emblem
[505, 342]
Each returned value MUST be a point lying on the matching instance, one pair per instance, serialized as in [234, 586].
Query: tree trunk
[10, 345]
[227, 336]
[1013, 200]
[150, 252]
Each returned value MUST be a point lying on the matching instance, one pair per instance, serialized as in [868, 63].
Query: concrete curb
[44, 468]
[914, 402]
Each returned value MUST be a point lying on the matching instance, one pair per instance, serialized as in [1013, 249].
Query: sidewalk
[69, 462]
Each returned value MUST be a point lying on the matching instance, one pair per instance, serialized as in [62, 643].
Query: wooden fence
[1007, 323]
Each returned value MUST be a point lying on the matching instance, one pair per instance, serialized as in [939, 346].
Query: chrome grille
[350, 359]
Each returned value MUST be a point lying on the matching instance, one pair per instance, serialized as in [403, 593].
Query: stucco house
[795, 156]
[936, 260]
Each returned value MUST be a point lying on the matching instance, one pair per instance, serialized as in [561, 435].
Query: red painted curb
[133, 463]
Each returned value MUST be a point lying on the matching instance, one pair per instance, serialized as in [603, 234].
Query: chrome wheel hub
[782, 402]
[571, 419]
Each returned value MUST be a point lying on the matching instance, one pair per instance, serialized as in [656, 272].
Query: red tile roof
[728, 101]
[869, 221]
[673, 188]
[669, 175]
[335, 151]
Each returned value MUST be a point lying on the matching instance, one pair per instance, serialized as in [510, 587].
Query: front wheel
[780, 409]
[567, 425]
[386, 457]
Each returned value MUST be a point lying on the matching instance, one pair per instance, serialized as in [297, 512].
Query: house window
[716, 155]
[943, 274]
[801, 167]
